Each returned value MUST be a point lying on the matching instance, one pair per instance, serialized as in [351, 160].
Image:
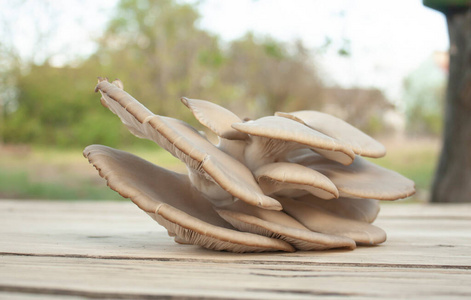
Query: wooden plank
[428, 211]
[110, 229]
[113, 250]
[108, 277]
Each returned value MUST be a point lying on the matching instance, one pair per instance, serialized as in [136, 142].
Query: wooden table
[112, 250]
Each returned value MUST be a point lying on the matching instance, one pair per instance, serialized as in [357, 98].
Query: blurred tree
[271, 77]
[155, 48]
[424, 93]
[55, 105]
[364, 108]
[9, 71]
[453, 177]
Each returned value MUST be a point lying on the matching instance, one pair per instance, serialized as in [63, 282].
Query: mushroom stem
[211, 190]
[261, 151]
[234, 148]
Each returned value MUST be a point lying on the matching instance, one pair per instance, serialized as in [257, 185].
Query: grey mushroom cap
[283, 178]
[217, 118]
[365, 210]
[169, 198]
[277, 224]
[320, 220]
[273, 137]
[361, 143]
[205, 161]
[361, 179]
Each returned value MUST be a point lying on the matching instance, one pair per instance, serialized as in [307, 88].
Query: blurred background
[380, 65]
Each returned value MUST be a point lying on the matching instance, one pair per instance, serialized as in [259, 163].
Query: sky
[386, 39]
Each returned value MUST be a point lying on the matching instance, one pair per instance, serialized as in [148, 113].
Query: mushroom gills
[319, 220]
[365, 210]
[273, 137]
[197, 232]
[361, 179]
[276, 224]
[185, 143]
[169, 198]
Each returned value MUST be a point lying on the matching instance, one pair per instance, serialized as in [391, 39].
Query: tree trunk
[453, 177]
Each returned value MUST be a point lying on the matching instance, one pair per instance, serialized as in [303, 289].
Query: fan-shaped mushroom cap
[277, 224]
[170, 199]
[288, 179]
[361, 143]
[217, 118]
[365, 210]
[361, 179]
[320, 220]
[194, 231]
[277, 136]
[185, 143]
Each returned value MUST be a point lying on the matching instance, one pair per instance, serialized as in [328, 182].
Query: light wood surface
[112, 250]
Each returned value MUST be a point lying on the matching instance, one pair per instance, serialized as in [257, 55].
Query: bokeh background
[380, 65]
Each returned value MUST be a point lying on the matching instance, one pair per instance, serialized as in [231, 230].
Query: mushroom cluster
[292, 181]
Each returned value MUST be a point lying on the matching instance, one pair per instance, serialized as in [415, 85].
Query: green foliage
[160, 55]
[18, 185]
[63, 174]
[57, 106]
[417, 161]
[424, 97]
[375, 125]
[270, 78]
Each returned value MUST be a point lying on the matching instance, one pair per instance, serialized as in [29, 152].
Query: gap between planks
[244, 262]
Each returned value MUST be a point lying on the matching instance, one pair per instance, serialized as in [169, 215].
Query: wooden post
[452, 181]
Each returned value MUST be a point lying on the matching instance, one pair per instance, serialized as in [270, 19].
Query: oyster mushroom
[360, 143]
[288, 179]
[234, 191]
[365, 210]
[361, 179]
[280, 225]
[219, 176]
[318, 219]
[219, 120]
[272, 138]
[169, 198]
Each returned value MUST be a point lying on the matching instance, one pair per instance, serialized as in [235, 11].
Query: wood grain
[104, 250]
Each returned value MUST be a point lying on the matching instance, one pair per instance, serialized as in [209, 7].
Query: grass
[20, 185]
[40, 173]
[416, 159]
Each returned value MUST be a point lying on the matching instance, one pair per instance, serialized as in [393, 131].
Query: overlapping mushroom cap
[293, 181]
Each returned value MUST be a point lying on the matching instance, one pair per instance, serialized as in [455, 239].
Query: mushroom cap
[284, 133]
[170, 199]
[283, 178]
[217, 118]
[320, 220]
[361, 143]
[194, 231]
[361, 179]
[277, 224]
[365, 210]
[185, 143]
